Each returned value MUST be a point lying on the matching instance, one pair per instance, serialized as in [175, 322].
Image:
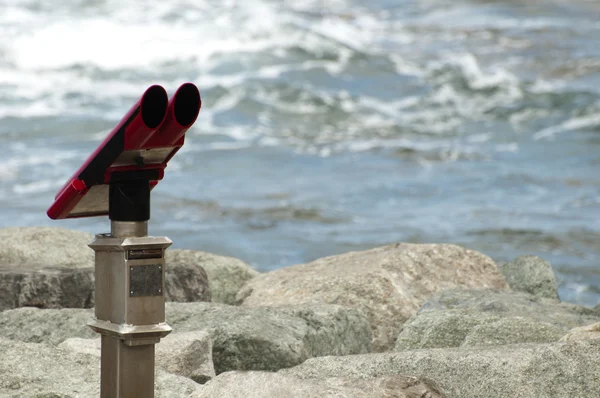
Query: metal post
[130, 307]
[116, 179]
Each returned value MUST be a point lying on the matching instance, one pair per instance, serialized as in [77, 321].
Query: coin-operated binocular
[116, 180]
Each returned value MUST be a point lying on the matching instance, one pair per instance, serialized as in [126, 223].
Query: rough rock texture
[52, 326]
[52, 287]
[265, 384]
[49, 287]
[485, 300]
[83, 346]
[40, 371]
[185, 354]
[531, 274]
[54, 268]
[439, 329]
[460, 317]
[588, 332]
[243, 338]
[46, 247]
[45, 267]
[549, 370]
[388, 283]
[226, 275]
[186, 283]
[265, 338]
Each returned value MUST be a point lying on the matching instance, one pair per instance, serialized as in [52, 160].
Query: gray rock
[274, 385]
[82, 346]
[531, 274]
[388, 283]
[511, 330]
[51, 326]
[460, 328]
[52, 287]
[243, 338]
[265, 338]
[504, 302]
[549, 370]
[226, 275]
[186, 283]
[32, 370]
[484, 317]
[45, 267]
[185, 354]
[54, 268]
[588, 332]
[46, 247]
[32, 286]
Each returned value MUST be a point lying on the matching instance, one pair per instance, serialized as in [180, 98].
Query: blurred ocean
[327, 126]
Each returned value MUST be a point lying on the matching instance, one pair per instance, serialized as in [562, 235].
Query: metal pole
[130, 307]
[128, 229]
[126, 371]
[129, 265]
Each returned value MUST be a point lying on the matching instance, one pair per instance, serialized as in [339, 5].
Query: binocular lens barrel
[154, 106]
[187, 105]
[183, 109]
[153, 109]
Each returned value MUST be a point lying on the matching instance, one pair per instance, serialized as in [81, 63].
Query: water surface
[327, 126]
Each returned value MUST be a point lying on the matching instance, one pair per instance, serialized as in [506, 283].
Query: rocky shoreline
[404, 320]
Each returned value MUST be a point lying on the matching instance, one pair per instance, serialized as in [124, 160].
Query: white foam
[48, 54]
[480, 138]
[217, 146]
[126, 38]
[577, 123]
[24, 163]
[33, 187]
[46, 93]
[476, 77]
[32, 109]
[509, 147]
[471, 17]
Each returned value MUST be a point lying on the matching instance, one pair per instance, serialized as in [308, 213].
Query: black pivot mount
[129, 195]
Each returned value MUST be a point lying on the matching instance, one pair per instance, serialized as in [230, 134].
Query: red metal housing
[145, 139]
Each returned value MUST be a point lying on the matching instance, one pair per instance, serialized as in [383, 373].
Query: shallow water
[327, 126]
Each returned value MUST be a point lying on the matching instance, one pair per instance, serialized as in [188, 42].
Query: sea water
[326, 126]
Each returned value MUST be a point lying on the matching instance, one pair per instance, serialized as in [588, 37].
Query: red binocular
[142, 144]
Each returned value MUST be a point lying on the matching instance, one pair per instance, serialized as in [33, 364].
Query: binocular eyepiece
[164, 121]
[141, 144]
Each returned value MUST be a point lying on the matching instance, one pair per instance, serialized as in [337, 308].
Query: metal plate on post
[144, 254]
[145, 280]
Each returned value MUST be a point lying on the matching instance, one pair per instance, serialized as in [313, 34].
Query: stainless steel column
[130, 307]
